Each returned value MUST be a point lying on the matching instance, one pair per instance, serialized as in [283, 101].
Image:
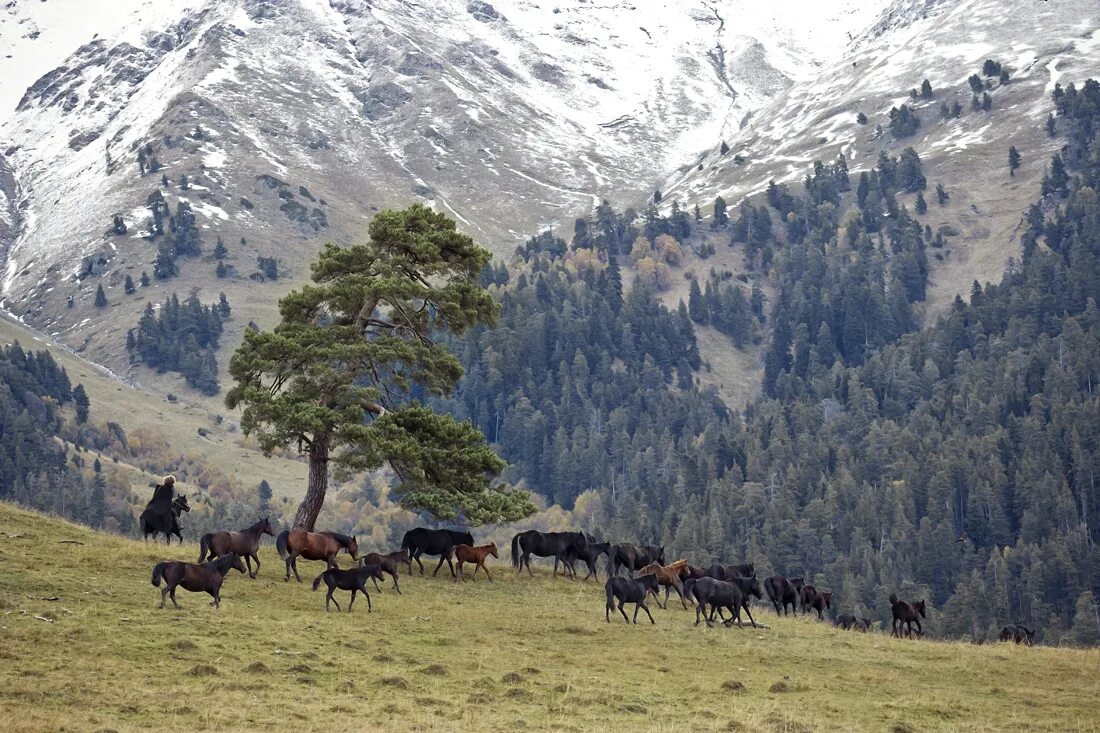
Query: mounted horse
[627, 590]
[153, 520]
[206, 578]
[562, 546]
[245, 543]
[783, 592]
[441, 542]
[633, 557]
[906, 614]
[296, 543]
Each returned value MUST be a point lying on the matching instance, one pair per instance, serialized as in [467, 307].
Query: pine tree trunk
[318, 485]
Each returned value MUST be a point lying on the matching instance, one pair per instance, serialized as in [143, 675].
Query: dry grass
[516, 654]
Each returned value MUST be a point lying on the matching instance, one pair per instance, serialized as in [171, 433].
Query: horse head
[796, 583]
[237, 564]
[919, 605]
[353, 549]
[266, 528]
[828, 596]
[753, 587]
[493, 550]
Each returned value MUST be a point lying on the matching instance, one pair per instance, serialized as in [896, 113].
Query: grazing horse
[590, 554]
[154, 520]
[670, 576]
[245, 543]
[562, 546]
[296, 543]
[906, 614]
[633, 557]
[783, 592]
[354, 580]
[476, 555]
[816, 599]
[206, 578]
[628, 590]
[848, 622]
[388, 563]
[718, 594]
[424, 541]
[1019, 634]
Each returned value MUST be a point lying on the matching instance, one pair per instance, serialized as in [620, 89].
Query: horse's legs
[745, 606]
[700, 609]
[647, 613]
[363, 590]
[376, 584]
[526, 559]
[416, 556]
[288, 560]
[658, 598]
[555, 573]
[330, 597]
[256, 557]
[449, 563]
[636, 607]
[625, 617]
[920, 629]
[172, 595]
[248, 564]
[483, 567]
[462, 573]
[442, 557]
[352, 601]
[163, 593]
[294, 565]
[396, 587]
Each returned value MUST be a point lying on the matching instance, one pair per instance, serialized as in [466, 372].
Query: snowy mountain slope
[945, 42]
[294, 119]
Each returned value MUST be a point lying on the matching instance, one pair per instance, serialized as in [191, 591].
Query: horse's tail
[689, 589]
[406, 543]
[204, 545]
[610, 593]
[515, 550]
[317, 580]
[280, 543]
[893, 598]
[158, 573]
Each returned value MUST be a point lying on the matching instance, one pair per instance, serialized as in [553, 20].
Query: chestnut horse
[670, 576]
[245, 543]
[195, 578]
[476, 555]
[313, 546]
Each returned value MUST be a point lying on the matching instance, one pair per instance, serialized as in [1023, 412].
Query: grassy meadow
[83, 648]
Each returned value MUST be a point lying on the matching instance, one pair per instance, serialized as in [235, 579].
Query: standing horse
[670, 576]
[590, 554]
[906, 614]
[812, 598]
[560, 545]
[388, 563]
[153, 520]
[195, 578]
[296, 543]
[354, 580]
[245, 543]
[633, 557]
[424, 541]
[627, 590]
[476, 555]
[1019, 634]
[783, 592]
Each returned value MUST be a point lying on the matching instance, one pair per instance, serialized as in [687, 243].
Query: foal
[388, 563]
[476, 555]
[354, 580]
[195, 578]
[670, 576]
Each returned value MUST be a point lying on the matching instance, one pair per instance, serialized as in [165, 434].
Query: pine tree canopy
[341, 375]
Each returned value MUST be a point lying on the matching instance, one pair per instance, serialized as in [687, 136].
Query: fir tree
[223, 306]
[82, 403]
[220, 250]
[723, 149]
[100, 297]
[941, 194]
[128, 285]
[721, 217]
[921, 204]
[265, 494]
[1013, 160]
[926, 89]
[144, 279]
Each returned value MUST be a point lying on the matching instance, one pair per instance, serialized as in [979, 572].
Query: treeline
[181, 337]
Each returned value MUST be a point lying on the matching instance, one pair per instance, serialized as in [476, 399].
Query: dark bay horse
[590, 554]
[750, 588]
[388, 563]
[718, 594]
[783, 592]
[206, 578]
[817, 600]
[245, 543]
[297, 543]
[476, 555]
[633, 557]
[628, 590]
[729, 572]
[905, 615]
[849, 621]
[1019, 634]
[424, 541]
[562, 546]
[155, 520]
[354, 580]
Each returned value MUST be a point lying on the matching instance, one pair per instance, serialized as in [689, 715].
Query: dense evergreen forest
[957, 462]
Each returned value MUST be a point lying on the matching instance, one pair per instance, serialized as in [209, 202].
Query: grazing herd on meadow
[634, 572]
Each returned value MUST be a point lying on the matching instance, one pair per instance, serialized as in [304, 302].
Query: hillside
[85, 649]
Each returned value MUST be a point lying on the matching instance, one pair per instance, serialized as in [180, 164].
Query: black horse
[849, 622]
[627, 590]
[424, 541]
[1019, 634]
[783, 592]
[729, 572]
[560, 545]
[354, 580]
[590, 554]
[633, 557]
[816, 600]
[155, 520]
[905, 615]
[718, 594]
[206, 578]
[749, 587]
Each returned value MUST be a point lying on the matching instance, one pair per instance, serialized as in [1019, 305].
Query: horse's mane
[217, 562]
[678, 564]
[343, 539]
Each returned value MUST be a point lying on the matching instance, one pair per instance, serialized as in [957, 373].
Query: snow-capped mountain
[293, 120]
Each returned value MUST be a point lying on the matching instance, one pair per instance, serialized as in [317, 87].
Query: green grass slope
[82, 647]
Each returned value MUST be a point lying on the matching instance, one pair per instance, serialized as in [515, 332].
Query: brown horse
[476, 555]
[297, 543]
[905, 615]
[245, 543]
[388, 564]
[671, 577]
[195, 578]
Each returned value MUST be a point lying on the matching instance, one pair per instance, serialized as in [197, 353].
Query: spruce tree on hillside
[1056, 180]
[1013, 160]
[144, 279]
[721, 216]
[1086, 621]
[81, 402]
[265, 494]
[1051, 127]
[921, 204]
[220, 250]
[128, 285]
[100, 297]
[336, 376]
[697, 310]
[941, 194]
[926, 89]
